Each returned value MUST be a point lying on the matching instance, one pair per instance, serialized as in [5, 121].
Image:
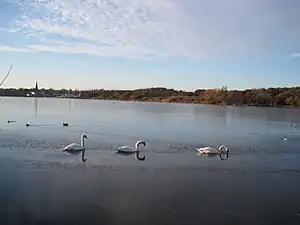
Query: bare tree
[6, 75]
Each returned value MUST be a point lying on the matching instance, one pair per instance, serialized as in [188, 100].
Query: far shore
[271, 97]
[160, 101]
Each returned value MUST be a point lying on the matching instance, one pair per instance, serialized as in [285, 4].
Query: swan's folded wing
[73, 147]
[203, 149]
[207, 150]
[126, 149]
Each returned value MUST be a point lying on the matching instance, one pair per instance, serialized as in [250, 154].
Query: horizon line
[133, 89]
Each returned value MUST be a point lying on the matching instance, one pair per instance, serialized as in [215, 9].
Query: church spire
[36, 86]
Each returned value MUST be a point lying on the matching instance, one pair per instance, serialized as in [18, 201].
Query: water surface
[258, 184]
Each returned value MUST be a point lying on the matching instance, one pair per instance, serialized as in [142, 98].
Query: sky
[128, 44]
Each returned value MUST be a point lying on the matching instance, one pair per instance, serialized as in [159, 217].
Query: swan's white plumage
[74, 147]
[212, 151]
[207, 150]
[127, 149]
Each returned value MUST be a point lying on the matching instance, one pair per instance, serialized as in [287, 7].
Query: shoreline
[166, 101]
[272, 97]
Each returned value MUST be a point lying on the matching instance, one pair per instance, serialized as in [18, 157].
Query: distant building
[36, 87]
[35, 92]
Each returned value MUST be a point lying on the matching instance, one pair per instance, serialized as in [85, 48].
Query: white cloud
[156, 28]
[4, 48]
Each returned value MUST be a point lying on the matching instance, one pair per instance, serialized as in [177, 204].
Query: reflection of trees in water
[55, 104]
[154, 107]
[36, 102]
[232, 119]
[210, 110]
[210, 117]
[71, 103]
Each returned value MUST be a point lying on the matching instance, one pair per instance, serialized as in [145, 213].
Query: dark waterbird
[39, 125]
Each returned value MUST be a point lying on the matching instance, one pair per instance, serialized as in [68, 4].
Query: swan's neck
[137, 146]
[82, 141]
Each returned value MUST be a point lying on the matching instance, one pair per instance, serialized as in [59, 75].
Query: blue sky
[125, 44]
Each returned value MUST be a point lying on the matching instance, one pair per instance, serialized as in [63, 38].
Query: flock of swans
[76, 148]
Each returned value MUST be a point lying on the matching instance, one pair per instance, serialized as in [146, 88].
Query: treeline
[271, 97]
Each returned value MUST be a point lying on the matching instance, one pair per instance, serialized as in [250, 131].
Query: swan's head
[84, 136]
[224, 148]
[138, 143]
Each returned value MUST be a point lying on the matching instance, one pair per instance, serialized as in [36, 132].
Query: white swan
[212, 151]
[75, 148]
[131, 150]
